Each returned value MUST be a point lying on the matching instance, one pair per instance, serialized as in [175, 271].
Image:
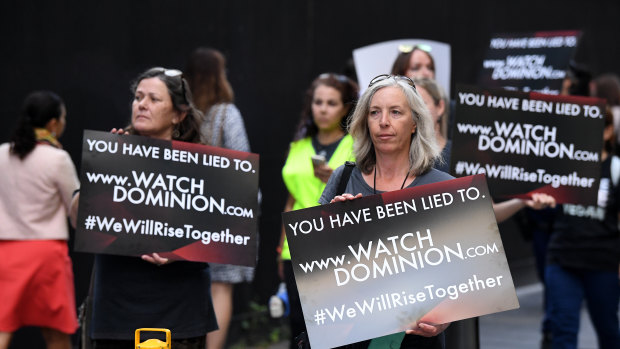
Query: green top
[298, 174]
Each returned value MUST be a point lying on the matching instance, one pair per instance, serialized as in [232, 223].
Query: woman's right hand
[345, 197]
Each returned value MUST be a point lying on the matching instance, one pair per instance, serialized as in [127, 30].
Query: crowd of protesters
[397, 134]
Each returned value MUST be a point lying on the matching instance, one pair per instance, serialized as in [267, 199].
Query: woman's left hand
[345, 197]
[155, 259]
[427, 330]
[540, 201]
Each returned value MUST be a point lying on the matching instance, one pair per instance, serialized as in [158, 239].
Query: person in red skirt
[37, 182]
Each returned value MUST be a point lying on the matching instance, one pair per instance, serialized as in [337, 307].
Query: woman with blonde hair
[395, 148]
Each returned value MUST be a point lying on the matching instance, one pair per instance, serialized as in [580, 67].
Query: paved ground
[518, 329]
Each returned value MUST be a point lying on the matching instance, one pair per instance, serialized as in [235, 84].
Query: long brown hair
[181, 96]
[348, 92]
[206, 74]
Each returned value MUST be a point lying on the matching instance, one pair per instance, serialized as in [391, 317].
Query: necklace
[374, 182]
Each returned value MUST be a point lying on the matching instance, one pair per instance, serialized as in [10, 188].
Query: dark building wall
[89, 51]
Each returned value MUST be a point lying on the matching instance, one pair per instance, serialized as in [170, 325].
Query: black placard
[185, 201]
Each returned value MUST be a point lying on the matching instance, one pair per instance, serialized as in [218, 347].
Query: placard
[528, 142]
[373, 266]
[528, 61]
[184, 201]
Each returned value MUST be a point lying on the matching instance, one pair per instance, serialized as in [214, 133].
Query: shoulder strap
[615, 170]
[344, 179]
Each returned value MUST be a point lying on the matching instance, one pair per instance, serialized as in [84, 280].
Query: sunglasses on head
[382, 77]
[343, 79]
[173, 73]
[168, 72]
[410, 48]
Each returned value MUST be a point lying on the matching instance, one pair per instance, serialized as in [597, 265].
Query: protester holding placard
[38, 180]
[321, 144]
[129, 292]
[432, 94]
[395, 148]
[222, 127]
[583, 258]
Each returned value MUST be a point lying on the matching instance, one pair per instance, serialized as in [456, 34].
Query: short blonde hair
[423, 151]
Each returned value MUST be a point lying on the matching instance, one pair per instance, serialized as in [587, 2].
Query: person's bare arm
[507, 209]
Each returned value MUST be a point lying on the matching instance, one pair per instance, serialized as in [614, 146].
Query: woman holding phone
[320, 145]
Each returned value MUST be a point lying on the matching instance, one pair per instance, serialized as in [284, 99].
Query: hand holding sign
[345, 197]
[426, 330]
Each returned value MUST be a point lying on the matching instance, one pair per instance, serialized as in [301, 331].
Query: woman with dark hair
[152, 291]
[222, 127]
[320, 145]
[37, 182]
[414, 62]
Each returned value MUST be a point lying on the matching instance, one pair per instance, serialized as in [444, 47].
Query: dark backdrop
[89, 51]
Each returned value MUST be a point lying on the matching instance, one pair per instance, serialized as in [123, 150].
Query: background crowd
[269, 67]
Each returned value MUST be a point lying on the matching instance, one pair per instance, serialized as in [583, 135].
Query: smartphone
[318, 160]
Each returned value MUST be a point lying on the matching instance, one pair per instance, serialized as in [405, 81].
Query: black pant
[419, 342]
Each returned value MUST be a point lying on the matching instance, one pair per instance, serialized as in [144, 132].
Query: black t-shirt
[326, 150]
[587, 237]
